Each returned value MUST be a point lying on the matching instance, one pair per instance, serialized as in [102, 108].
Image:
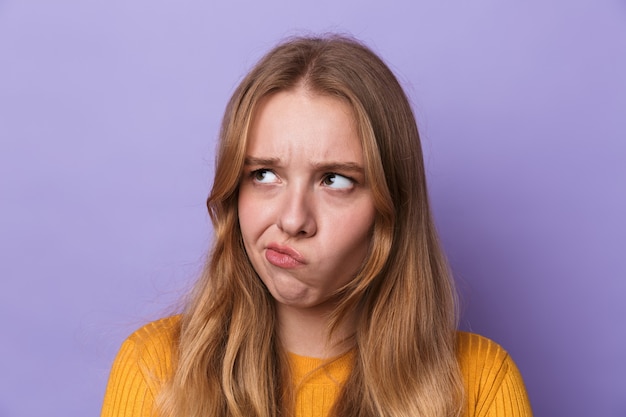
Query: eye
[264, 176]
[338, 182]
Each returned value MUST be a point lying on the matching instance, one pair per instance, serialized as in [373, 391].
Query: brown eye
[263, 176]
[337, 181]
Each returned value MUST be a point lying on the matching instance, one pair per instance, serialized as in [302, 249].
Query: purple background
[108, 116]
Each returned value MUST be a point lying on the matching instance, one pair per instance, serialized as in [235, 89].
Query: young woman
[326, 292]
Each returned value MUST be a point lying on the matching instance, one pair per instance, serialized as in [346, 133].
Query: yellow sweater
[493, 385]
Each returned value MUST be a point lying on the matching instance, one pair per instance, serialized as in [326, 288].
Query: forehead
[298, 122]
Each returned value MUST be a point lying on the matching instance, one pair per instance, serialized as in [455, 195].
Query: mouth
[283, 256]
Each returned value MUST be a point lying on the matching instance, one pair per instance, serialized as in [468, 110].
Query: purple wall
[108, 115]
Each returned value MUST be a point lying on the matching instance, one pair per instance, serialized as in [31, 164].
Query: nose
[296, 216]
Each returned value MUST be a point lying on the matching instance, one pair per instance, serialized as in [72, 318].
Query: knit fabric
[317, 386]
[493, 384]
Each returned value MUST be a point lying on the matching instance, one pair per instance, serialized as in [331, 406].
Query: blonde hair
[228, 361]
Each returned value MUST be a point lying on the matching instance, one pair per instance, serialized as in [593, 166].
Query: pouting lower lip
[286, 250]
[281, 259]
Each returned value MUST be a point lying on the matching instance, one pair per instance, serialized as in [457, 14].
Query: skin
[305, 210]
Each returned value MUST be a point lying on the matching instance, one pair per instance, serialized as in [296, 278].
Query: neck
[305, 332]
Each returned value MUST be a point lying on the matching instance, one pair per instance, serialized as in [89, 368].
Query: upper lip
[287, 250]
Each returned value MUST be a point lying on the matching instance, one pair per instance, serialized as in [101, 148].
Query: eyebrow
[320, 166]
[261, 161]
[339, 166]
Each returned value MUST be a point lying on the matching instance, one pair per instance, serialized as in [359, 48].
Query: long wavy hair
[227, 357]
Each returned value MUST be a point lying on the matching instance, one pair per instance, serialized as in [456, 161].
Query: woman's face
[305, 211]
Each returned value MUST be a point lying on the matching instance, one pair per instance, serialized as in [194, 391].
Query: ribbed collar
[309, 370]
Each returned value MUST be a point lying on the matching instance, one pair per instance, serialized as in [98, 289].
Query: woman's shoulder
[481, 359]
[151, 346]
[159, 332]
[492, 380]
[142, 364]
[473, 348]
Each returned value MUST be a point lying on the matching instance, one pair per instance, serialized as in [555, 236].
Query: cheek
[244, 213]
[356, 231]
[247, 228]
[254, 215]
